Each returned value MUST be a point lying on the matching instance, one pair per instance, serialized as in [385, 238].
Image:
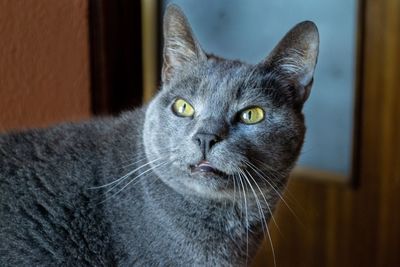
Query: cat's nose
[206, 141]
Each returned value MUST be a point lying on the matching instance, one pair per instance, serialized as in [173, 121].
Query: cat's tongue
[204, 166]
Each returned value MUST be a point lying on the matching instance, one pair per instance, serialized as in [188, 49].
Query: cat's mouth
[204, 167]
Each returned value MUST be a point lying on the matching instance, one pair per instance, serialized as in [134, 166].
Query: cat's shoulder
[85, 134]
[96, 125]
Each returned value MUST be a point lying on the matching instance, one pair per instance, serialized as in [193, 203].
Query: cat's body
[50, 214]
[198, 181]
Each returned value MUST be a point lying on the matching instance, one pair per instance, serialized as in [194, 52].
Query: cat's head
[217, 123]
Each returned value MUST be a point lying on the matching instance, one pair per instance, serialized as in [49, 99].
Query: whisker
[252, 189]
[276, 174]
[265, 200]
[289, 194]
[260, 210]
[246, 220]
[234, 192]
[124, 176]
[135, 162]
[135, 178]
[127, 176]
[140, 157]
[262, 215]
[265, 178]
[143, 156]
[239, 196]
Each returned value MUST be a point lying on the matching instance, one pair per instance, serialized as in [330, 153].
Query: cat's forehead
[220, 80]
[230, 81]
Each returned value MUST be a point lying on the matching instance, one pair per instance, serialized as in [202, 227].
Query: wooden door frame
[115, 28]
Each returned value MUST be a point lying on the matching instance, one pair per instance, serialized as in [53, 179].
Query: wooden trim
[151, 49]
[354, 178]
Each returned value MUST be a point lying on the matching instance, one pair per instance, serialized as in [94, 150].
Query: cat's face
[218, 123]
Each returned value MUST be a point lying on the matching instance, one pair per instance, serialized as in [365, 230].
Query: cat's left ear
[181, 48]
[295, 57]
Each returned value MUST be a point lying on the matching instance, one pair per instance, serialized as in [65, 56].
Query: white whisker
[135, 162]
[234, 193]
[277, 175]
[263, 215]
[265, 200]
[135, 178]
[259, 207]
[124, 176]
[265, 178]
[246, 220]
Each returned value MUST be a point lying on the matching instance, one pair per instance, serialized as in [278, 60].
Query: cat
[191, 179]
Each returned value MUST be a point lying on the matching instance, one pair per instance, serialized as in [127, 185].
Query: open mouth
[205, 167]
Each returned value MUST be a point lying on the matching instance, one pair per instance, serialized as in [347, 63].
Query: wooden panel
[44, 62]
[361, 226]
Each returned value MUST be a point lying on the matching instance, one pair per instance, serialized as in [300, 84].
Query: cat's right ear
[180, 46]
[294, 59]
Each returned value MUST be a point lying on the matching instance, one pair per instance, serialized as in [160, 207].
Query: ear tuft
[295, 57]
[180, 46]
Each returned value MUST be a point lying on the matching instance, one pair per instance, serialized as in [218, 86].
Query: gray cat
[189, 180]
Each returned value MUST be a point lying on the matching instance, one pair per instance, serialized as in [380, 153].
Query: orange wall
[44, 62]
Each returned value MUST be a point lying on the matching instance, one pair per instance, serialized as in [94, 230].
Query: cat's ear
[180, 46]
[295, 57]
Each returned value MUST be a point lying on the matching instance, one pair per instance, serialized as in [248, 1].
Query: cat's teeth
[204, 162]
[205, 166]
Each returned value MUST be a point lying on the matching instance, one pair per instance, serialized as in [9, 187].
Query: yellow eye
[252, 115]
[183, 108]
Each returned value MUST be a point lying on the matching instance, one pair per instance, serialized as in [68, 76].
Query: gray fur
[55, 208]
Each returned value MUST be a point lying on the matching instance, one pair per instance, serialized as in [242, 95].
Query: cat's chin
[209, 191]
[210, 184]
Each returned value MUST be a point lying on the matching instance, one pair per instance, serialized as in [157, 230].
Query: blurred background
[69, 60]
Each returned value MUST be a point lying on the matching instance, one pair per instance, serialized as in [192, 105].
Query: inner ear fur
[180, 45]
[295, 57]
